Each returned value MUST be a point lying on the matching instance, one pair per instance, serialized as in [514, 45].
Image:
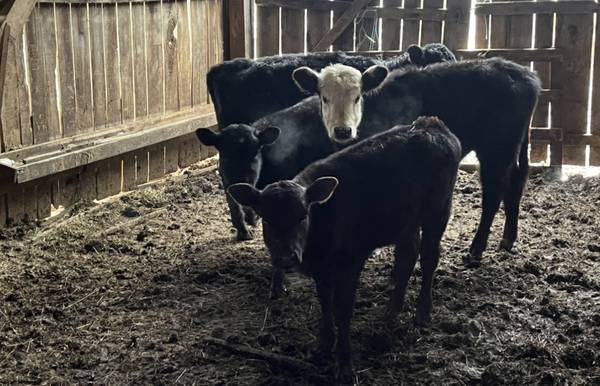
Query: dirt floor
[127, 292]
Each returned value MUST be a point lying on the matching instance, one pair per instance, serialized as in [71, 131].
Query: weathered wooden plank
[68, 187]
[129, 171]
[317, 25]
[184, 51]
[156, 162]
[155, 58]
[10, 114]
[3, 210]
[367, 30]
[267, 30]
[111, 67]
[189, 150]
[595, 123]
[139, 59]
[15, 202]
[199, 53]
[292, 31]
[345, 20]
[170, 47]
[66, 70]
[238, 40]
[141, 166]
[456, 29]
[574, 36]
[518, 55]
[23, 89]
[172, 155]
[410, 29]
[82, 68]
[48, 36]
[390, 32]
[97, 60]
[507, 8]
[108, 179]
[543, 39]
[431, 31]
[44, 201]
[219, 48]
[39, 107]
[29, 202]
[126, 65]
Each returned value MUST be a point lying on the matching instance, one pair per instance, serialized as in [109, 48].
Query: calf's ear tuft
[321, 190]
[244, 194]
[208, 137]
[373, 76]
[269, 135]
[306, 79]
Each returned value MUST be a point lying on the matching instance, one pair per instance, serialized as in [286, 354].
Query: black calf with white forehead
[488, 105]
[391, 187]
[244, 90]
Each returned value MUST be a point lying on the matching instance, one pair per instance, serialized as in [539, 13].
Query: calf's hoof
[244, 236]
[506, 245]
[471, 261]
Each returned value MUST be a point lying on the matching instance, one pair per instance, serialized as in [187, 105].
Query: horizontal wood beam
[504, 8]
[386, 12]
[517, 54]
[30, 165]
[547, 135]
[96, 1]
[549, 95]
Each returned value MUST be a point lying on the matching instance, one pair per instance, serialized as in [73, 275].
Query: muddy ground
[126, 292]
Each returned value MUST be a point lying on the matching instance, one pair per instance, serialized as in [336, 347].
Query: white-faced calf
[392, 189]
[486, 103]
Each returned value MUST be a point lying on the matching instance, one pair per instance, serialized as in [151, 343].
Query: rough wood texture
[341, 24]
[126, 66]
[515, 7]
[431, 31]
[154, 52]
[574, 36]
[184, 52]
[111, 65]
[97, 59]
[267, 31]
[317, 26]
[199, 54]
[595, 124]
[410, 31]
[170, 46]
[292, 31]
[81, 57]
[66, 73]
[140, 65]
[10, 121]
[237, 29]
[456, 30]
[367, 30]
[390, 31]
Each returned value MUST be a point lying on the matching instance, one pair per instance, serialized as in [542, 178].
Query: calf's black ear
[321, 190]
[416, 55]
[208, 137]
[269, 135]
[373, 76]
[244, 194]
[306, 79]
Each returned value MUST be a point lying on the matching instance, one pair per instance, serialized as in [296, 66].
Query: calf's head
[284, 208]
[341, 89]
[239, 149]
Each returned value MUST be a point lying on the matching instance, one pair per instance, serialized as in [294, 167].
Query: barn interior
[118, 261]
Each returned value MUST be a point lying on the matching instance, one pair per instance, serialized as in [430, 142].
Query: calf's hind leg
[433, 229]
[512, 199]
[405, 254]
[493, 184]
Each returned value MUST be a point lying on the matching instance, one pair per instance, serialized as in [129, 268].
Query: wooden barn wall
[556, 39]
[567, 29]
[80, 67]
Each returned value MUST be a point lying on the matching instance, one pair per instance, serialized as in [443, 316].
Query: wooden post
[456, 30]
[410, 31]
[236, 28]
[267, 31]
[292, 31]
[432, 30]
[345, 42]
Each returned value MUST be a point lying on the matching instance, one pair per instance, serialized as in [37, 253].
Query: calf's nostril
[342, 132]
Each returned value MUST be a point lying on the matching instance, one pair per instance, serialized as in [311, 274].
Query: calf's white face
[341, 89]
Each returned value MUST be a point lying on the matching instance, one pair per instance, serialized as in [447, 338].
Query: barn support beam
[341, 24]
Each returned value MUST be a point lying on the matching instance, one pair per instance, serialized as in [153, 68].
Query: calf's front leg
[237, 219]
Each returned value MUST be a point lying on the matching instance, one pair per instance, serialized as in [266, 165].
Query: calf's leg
[344, 295]
[249, 216]
[493, 183]
[326, 325]
[237, 219]
[512, 198]
[277, 283]
[405, 253]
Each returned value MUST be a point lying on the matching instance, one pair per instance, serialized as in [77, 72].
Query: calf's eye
[357, 99]
[325, 100]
